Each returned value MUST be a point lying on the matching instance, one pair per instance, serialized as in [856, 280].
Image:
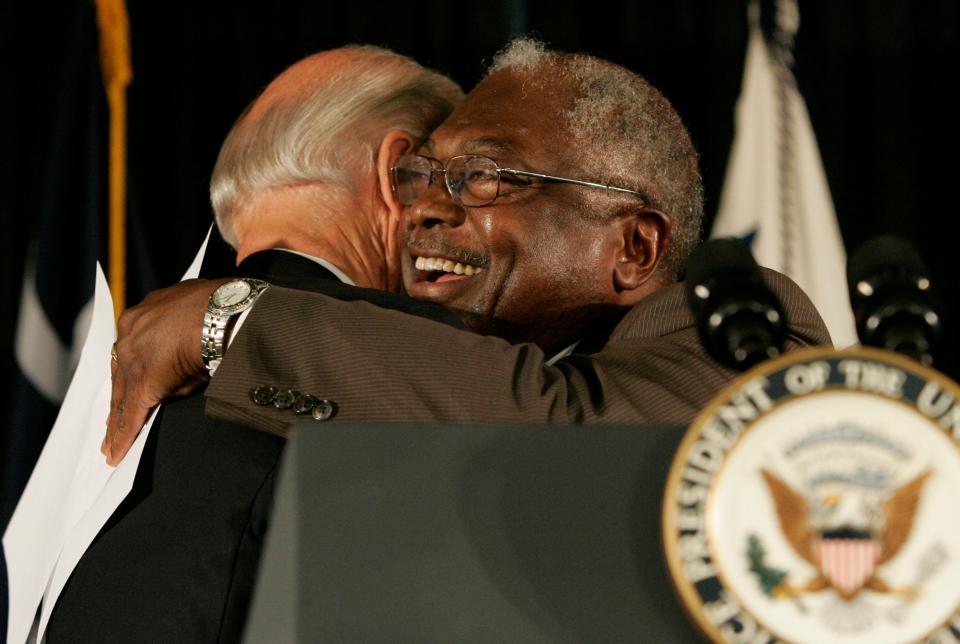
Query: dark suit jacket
[379, 365]
[177, 560]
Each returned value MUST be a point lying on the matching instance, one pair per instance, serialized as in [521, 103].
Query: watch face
[231, 293]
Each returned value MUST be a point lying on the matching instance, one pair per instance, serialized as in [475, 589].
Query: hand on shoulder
[157, 356]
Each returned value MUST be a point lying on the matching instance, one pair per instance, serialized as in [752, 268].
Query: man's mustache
[446, 250]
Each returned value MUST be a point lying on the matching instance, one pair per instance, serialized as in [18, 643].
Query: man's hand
[157, 356]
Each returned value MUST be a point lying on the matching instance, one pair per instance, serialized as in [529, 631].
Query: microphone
[741, 321]
[892, 301]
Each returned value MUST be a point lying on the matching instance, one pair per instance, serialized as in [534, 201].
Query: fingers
[128, 410]
[156, 355]
[116, 405]
[115, 421]
[127, 417]
[132, 416]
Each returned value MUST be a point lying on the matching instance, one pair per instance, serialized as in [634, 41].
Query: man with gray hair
[306, 167]
[554, 209]
[302, 191]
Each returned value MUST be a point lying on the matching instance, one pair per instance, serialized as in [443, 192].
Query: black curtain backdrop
[878, 77]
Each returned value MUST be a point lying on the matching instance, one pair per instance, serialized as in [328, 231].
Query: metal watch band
[217, 320]
[211, 339]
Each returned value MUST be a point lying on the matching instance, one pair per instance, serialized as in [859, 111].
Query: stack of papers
[72, 491]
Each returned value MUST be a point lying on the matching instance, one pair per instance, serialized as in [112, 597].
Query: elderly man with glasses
[553, 209]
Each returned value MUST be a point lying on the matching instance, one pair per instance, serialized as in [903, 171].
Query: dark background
[878, 77]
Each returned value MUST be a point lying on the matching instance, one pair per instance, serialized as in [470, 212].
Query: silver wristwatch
[225, 303]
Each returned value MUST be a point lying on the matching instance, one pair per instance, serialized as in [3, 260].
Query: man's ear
[644, 237]
[394, 144]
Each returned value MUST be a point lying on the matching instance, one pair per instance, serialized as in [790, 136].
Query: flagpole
[776, 197]
[114, 26]
[781, 45]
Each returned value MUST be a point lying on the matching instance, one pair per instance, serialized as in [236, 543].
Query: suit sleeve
[382, 365]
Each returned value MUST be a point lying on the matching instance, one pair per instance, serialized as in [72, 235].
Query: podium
[469, 534]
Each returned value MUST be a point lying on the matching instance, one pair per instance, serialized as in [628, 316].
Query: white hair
[328, 128]
[625, 133]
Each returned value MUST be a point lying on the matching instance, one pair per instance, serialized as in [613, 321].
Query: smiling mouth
[442, 269]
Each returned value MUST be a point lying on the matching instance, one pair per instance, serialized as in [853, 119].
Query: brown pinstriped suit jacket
[380, 365]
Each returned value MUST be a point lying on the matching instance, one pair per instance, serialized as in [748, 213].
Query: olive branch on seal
[769, 578]
[772, 580]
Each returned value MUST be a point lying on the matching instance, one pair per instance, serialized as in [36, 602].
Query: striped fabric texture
[379, 365]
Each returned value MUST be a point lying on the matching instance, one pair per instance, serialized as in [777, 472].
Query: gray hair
[327, 129]
[625, 132]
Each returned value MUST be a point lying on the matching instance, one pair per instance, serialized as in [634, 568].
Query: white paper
[72, 492]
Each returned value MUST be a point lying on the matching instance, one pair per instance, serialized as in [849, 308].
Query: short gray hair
[327, 129]
[626, 133]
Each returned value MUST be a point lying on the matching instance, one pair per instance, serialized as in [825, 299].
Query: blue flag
[58, 278]
[59, 273]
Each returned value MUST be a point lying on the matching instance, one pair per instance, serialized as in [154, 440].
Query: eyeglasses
[472, 180]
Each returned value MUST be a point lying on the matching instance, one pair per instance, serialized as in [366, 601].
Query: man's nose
[435, 207]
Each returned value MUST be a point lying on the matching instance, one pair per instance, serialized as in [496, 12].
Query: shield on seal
[848, 563]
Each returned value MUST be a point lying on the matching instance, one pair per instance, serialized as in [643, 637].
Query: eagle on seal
[847, 536]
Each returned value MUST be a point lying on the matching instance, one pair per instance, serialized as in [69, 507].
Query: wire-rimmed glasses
[471, 179]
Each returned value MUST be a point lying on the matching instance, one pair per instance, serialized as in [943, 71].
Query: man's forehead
[506, 116]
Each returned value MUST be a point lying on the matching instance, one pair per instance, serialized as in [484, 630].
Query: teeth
[445, 265]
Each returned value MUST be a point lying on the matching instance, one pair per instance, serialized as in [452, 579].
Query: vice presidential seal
[816, 500]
